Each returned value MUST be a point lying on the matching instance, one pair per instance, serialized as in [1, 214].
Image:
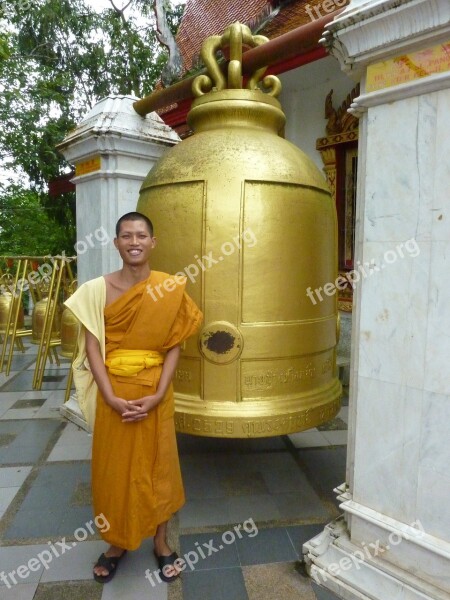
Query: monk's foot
[168, 570]
[166, 561]
[161, 547]
[106, 566]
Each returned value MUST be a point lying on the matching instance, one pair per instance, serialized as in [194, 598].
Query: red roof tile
[295, 14]
[203, 18]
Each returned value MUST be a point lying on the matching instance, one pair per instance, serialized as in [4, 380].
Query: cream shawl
[88, 305]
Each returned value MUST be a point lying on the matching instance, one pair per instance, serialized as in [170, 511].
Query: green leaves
[4, 47]
[27, 226]
[57, 59]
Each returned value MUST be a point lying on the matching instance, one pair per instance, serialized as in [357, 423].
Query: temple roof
[203, 18]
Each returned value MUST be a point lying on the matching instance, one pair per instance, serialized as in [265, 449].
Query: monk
[129, 346]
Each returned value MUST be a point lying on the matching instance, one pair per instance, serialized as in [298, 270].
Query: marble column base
[72, 412]
[357, 571]
[323, 594]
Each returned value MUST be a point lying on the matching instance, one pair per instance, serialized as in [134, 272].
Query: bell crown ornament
[233, 38]
[224, 94]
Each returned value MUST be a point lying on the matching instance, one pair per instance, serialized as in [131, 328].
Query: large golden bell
[249, 219]
[69, 333]
[5, 303]
[38, 320]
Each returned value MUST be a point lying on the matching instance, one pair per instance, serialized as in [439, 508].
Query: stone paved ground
[278, 489]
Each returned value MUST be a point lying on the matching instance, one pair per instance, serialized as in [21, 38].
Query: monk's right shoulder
[90, 292]
[98, 283]
[94, 282]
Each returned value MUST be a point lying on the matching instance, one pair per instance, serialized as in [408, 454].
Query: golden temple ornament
[249, 219]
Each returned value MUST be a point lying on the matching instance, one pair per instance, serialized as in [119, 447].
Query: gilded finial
[234, 37]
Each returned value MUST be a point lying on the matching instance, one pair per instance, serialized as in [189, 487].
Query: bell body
[38, 320]
[5, 303]
[69, 333]
[248, 218]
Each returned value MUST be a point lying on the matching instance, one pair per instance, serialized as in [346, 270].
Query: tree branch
[120, 10]
[134, 83]
[174, 68]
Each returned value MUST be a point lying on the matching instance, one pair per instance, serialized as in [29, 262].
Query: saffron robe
[136, 477]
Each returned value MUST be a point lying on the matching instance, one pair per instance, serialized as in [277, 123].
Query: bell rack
[25, 268]
[11, 328]
[5, 279]
[62, 275]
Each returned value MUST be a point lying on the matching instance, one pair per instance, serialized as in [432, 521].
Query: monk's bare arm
[168, 370]
[102, 380]
[147, 403]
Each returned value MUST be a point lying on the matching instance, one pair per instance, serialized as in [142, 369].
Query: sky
[100, 4]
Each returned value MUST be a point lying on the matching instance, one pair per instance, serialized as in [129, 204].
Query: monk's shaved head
[134, 216]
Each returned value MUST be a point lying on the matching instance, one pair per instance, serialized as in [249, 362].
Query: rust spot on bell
[220, 342]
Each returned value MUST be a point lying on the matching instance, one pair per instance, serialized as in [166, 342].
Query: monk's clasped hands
[136, 410]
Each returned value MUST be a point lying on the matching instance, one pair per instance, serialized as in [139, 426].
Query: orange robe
[136, 478]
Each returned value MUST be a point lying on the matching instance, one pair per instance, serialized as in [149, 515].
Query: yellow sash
[128, 363]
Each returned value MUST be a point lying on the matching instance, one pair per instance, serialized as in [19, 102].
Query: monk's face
[134, 242]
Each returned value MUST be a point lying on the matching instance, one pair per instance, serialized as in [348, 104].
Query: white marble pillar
[112, 149]
[393, 542]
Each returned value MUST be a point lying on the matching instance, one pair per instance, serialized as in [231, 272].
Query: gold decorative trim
[334, 140]
[340, 120]
[341, 129]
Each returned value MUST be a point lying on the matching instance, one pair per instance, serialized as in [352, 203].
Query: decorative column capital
[396, 50]
[113, 126]
[368, 31]
[112, 150]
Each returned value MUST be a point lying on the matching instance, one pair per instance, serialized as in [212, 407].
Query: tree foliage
[27, 228]
[57, 59]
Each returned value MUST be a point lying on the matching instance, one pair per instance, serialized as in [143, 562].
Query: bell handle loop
[273, 85]
[235, 75]
[233, 36]
[252, 83]
[73, 285]
[208, 53]
[201, 85]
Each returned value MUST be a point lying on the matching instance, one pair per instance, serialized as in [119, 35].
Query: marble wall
[398, 451]
[402, 340]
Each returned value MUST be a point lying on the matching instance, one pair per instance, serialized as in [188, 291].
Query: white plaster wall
[303, 101]
[94, 257]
